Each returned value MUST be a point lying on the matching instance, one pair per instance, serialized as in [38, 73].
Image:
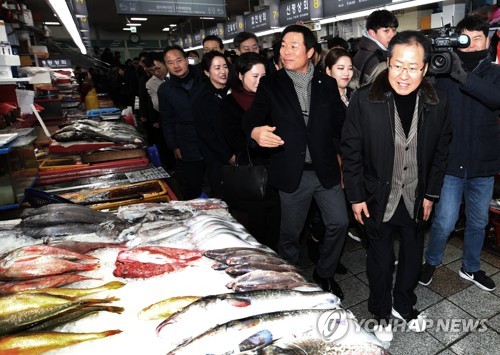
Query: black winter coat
[175, 99]
[474, 106]
[368, 145]
[276, 104]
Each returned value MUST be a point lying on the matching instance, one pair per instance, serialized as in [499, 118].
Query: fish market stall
[179, 278]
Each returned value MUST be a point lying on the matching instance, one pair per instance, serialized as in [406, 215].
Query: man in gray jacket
[371, 56]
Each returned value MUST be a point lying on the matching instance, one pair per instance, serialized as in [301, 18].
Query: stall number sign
[216, 31]
[300, 10]
[258, 21]
[339, 7]
[56, 63]
[197, 39]
[234, 27]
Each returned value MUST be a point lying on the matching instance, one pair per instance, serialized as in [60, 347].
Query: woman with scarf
[205, 105]
[261, 218]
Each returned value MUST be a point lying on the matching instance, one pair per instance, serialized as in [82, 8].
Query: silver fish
[320, 347]
[242, 269]
[210, 311]
[229, 338]
[266, 279]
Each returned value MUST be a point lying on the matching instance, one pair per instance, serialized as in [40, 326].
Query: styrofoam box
[5, 72]
[10, 60]
[3, 32]
[40, 78]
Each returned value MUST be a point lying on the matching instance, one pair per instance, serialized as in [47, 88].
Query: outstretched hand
[265, 137]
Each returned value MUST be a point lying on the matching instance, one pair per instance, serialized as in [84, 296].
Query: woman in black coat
[205, 106]
[261, 218]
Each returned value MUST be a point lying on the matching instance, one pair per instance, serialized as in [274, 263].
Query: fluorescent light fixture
[166, 29]
[207, 18]
[51, 23]
[133, 24]
[173, 25]
[84, 30]
[126, 28]
[138, 18]
[60, 7]
[398, 5]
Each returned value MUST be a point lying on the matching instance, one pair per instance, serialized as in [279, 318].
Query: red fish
[41, 282]
[36, 266]
[42, 260]
[81, 247]
[148, 261]
[44, 250]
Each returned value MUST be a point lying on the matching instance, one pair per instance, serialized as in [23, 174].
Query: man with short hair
[297, 111]
[394, 149]
[174, 97]
[153, 63]
[245, 42]
[212, 43]
[474, 89]
[371, 56]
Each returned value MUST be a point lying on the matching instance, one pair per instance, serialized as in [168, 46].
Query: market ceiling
[103, 16]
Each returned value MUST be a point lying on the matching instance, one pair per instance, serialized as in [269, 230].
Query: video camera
[443, 41]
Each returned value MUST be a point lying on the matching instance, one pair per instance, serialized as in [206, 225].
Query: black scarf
[471, 59]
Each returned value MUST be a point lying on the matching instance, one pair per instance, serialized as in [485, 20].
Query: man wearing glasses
[394, 149]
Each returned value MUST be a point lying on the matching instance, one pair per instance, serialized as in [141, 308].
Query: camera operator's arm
[457, 70]
[484, 87]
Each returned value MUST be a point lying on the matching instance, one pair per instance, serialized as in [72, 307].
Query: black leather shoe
[328, 284]
[341, 269]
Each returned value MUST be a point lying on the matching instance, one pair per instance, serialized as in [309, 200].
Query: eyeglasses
[398, 69]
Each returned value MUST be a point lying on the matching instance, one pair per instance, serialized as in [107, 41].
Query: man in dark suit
[297, 112]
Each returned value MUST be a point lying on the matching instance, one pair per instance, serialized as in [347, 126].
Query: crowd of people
[367, 136]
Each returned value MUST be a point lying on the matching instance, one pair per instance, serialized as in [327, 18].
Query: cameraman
[473, 90]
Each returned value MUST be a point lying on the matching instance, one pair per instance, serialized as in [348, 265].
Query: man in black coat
[394, 149]
[474, 88]
[176, 115]
[297, 112]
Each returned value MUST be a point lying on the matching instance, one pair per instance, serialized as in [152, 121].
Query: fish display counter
[168, 278]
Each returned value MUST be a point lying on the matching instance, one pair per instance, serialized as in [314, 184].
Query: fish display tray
[63, 163]
[77, 147]
[114, 197]
[68, 176]
[88, 166]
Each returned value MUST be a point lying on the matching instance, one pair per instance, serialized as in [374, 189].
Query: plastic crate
[98, 112]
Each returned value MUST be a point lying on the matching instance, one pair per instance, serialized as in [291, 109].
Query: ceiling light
[133, 24]
[404, 5]
[126, 28]
[60, 7]
[139, 18]
[49, 23]
[207, 18]
[173, 25]
[166, 29]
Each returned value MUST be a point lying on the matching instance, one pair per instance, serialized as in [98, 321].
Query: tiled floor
[450, 303]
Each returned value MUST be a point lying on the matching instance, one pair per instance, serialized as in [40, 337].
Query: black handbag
[244, 182]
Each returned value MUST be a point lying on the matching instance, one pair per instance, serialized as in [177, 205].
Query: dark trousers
[294, 209]
[380, 264]
[191, 175]
[261, 218]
